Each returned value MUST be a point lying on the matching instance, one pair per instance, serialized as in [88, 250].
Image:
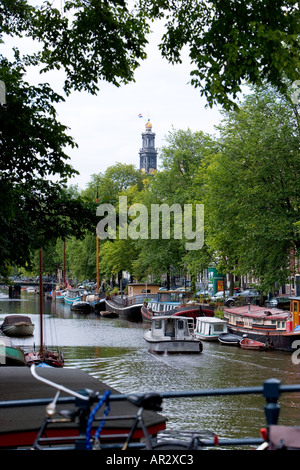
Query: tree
[174, 188]
[231, 43]
[90, 40]
[36, 207]
[252, 189]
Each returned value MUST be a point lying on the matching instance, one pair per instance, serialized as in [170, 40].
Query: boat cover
[11, 319]
[17, 383]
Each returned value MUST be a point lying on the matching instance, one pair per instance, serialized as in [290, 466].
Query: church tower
[148, 154]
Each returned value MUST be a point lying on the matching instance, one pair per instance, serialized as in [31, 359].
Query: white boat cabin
[171, 327]
[209, 328]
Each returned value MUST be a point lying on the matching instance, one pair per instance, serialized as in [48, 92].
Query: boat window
[157, 324]
[295, 307]
[280, 325]
[218, 328]
[180, 325]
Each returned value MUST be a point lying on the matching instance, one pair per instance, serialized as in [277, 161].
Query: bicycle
[86, 416]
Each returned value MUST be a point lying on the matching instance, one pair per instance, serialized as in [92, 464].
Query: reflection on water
[114, 351]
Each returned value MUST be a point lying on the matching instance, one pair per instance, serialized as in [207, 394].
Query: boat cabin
[172, 327]
[295, 311]
[173, 296]
[209, 328]
[255, 317]
[166, 301]
[135, 289]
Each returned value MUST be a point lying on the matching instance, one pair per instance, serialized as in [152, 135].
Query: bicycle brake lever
[51, 408]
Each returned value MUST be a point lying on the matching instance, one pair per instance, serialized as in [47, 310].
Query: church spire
[148, 154]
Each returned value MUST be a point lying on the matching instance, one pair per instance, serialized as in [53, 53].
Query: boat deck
[19, 425]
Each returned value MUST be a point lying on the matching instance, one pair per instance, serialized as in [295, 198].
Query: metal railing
[271, 391]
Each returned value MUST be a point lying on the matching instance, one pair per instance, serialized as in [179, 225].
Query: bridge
[14, 288]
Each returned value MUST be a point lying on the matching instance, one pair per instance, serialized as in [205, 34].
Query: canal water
[114, 351]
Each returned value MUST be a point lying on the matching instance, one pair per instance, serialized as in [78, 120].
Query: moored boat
[81, 306]
[171, 334]
[17, 325]
[248, 343]
[174, 303]
[71, 296]
[59, 295]
[276, 328]
[229, 339]
[108, 314]
[209, 328]
[9, 354]
[44, 356]
[125, 307]
[20, 424]
[31, 290]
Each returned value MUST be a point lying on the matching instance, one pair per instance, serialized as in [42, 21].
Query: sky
[107, 127]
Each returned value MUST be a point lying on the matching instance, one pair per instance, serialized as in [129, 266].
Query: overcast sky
[107, 127]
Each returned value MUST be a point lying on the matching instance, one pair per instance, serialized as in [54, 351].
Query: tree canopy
[230, 43]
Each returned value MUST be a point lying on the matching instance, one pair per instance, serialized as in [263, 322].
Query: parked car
[282, 302]
[204, 293]
[219, 295]
[247, 294]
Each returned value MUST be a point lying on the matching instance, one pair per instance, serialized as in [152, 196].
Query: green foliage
[252, 196]
[36, 206]
[248, 178]
[231, 43]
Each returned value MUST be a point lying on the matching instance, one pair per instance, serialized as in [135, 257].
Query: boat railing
[271, 391]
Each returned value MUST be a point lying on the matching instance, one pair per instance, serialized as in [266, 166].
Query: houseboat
[72, 295]
[275, 328]
[210, 328]
[170, 334]
[129, 306]
[174, 303]
[59, 295]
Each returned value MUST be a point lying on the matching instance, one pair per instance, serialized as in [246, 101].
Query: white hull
[207, 337]
[171, 334]
[173, 346]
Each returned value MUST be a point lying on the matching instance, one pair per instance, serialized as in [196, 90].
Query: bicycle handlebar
[57, 386]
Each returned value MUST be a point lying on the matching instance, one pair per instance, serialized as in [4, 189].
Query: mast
[41, 302]
[97, 260]
[64, 262]
[97, 250]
